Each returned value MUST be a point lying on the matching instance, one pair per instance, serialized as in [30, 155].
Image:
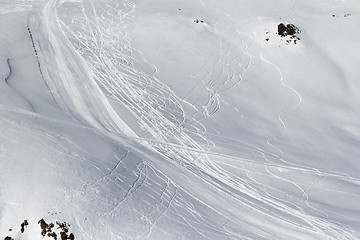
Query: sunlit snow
[192, 119]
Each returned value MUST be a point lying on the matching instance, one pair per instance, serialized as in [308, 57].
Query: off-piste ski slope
[179, 120]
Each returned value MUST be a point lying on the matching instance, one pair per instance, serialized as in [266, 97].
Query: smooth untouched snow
[179, 119]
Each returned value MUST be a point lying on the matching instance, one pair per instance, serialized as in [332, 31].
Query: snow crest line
[10, 70]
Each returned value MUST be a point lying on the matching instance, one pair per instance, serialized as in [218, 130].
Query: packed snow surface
[191, 119]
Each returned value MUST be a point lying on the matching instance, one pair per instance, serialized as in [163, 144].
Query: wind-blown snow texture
[185, 119]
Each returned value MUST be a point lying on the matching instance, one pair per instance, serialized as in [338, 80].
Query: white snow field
[188, 119]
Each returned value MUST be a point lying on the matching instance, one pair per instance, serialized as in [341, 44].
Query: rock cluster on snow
[62, 230]
[288, 30]
[46, 230]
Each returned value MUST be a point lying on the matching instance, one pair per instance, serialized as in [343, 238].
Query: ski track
[148, 99]
[177, 134]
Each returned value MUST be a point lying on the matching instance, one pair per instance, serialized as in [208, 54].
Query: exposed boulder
[287, 30]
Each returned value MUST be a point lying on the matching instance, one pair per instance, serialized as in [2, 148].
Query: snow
[179, 119]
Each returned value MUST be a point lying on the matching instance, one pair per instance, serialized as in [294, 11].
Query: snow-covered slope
[179, 119]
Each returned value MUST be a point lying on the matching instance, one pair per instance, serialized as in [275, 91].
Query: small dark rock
[42, 223]
[71, 236]
[198, 21]
[53, 235]
[23, 225]
[65, 230]
[8, 238]
[63, 236]
[63, 226]
[45, 228]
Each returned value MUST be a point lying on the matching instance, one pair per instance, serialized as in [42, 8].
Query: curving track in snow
[168, 179]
